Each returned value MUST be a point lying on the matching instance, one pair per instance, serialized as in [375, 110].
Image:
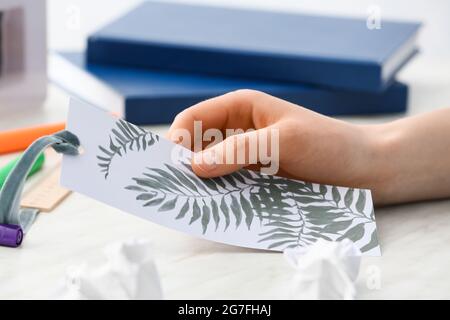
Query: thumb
[237, 152]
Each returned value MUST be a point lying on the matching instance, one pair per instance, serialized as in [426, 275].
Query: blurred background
[428, 74]
[69, 21]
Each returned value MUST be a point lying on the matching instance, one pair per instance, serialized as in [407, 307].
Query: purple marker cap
[10, 235]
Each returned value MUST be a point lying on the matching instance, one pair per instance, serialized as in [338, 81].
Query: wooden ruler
[47, 194]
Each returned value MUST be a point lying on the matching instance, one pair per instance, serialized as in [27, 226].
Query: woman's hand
[313, 147]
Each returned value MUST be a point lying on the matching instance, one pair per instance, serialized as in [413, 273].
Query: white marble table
[415, 238]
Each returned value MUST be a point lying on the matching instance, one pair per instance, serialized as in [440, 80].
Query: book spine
[162, 110]
[340, 74]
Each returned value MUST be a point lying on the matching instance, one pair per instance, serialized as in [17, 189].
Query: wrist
[379, 175]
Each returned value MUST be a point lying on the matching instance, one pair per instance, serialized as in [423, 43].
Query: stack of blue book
[161, 58]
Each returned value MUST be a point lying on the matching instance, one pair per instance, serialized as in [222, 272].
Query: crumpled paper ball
[129, 272]
[325, 270]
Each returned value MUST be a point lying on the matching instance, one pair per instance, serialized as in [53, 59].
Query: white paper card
[146, 175]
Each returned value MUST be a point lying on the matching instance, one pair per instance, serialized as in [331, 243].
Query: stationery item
[46, 195]
[10, 235]
[10, 194]
[20, 139]
[329, 51]
[152, 97]
[7, 169]
[141, 173]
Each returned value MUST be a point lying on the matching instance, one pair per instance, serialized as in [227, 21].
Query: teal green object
[11, 193]
[8, 168]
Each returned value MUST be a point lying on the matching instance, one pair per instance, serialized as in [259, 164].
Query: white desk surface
[415, 238]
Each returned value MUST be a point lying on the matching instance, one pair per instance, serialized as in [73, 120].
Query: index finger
[234, 110]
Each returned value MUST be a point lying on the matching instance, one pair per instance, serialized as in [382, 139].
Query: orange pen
[19, 139]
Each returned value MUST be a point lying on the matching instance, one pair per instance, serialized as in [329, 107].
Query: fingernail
[175, 138]
[206, 160]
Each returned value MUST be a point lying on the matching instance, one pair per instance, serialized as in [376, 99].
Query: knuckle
[246, 97]
[247, 94]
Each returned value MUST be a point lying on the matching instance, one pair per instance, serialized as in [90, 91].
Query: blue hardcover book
[156, 97]
[326, 51]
